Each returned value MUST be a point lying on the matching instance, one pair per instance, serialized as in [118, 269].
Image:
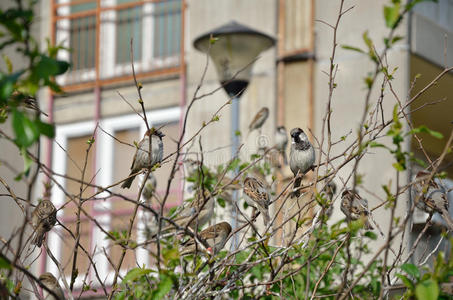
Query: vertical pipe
[50, 103]
[234, 146]
[280, 97]
[183, 82]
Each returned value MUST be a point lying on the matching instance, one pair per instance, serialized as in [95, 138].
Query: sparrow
[329, 190]
[433, 198]
[257, 196]
[203, 212]
[150, 187]
[301, 157]
[142, 159]
[355, 207]
[50, 282]
[43, 218]
[215, 236]
[259, 119]
[281, 141]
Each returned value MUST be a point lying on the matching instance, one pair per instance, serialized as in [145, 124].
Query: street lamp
[233, 55]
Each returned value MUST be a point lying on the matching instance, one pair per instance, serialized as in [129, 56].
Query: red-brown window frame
[98, 82]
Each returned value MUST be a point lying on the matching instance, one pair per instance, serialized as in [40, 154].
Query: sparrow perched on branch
[301, 158]
[433, 197]
[355, 207]
[257, 196]
[142, 159]
[329, 190]
[201, 206]
[50, 282]
[281, 141]
[215, 236]
[259, 119]
[43, 218]
[150, 187]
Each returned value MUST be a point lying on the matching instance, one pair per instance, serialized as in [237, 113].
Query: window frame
[106, 35]
[103, 159]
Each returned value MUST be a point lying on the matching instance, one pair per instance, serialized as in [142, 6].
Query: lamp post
[233, 55]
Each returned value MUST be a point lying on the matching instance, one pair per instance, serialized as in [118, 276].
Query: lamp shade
[233, 53]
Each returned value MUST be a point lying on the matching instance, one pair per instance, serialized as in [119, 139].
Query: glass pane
[120, 223]
[121, 210]
[68, 243]
[76, 150]
[122, 158]
[129, 26]
[167, 28]
[82, 37]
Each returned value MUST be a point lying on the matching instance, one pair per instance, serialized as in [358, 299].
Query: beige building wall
[349, 95]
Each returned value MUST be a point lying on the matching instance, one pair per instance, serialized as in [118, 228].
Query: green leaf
[135, 274]
[162, 288]
[398, 166]
[377, 145]
[45, 128]
[8, 63]
[170, 254]
[4, 264]
[371, 235]
[425, 129]
[347, 47]
[411, 270]
[392, 14]
[7, 84]
[406, 281]
[221, 202]
[427, 290]
[25, 130]
[27, 160]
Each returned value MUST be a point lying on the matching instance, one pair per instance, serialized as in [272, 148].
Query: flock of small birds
[432, 196]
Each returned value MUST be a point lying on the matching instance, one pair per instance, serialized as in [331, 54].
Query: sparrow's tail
[296, 186]
[447, 219]
[266, 217]
[37, 240]
[127, 184]
[368, 225]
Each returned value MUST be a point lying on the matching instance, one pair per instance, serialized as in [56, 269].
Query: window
[82, 37]
[108, 163]
[99, 37]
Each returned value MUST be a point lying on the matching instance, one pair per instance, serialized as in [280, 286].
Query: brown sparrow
[281, 141]
[203, 212]
[355, 207]
[259, 119]
[150, 187]
[301, 158]
[433, 198]
[50, 282]
[215, 236]
[43, 218]
[141, 158]
[329, 190]
[257, 196]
